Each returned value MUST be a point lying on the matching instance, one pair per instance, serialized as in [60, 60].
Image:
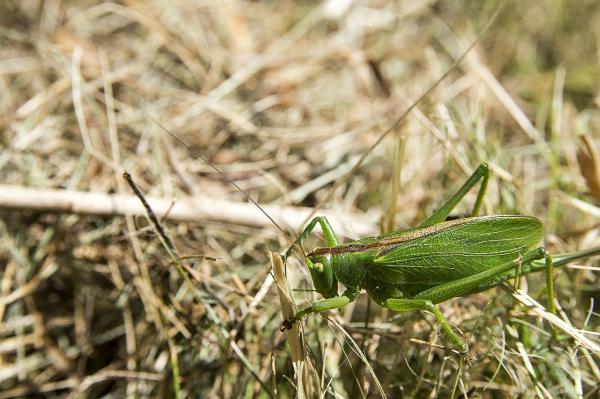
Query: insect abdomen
[458, 250]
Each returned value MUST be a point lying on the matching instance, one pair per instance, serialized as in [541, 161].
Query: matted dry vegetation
[284, 97]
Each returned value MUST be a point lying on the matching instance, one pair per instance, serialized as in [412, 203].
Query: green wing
[456, 249]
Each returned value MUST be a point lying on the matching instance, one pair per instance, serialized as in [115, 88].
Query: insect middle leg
[481, 173]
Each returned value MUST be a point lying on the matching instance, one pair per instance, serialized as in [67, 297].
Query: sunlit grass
[284, 97]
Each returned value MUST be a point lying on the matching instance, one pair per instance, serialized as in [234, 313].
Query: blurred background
[285, 98]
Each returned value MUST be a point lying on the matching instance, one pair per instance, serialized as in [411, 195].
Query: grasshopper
[418, 268]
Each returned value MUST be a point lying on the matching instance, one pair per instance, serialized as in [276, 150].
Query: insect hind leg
[427, 299]
[550, 283]
[481, 173]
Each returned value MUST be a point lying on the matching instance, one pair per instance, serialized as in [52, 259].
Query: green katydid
[416, 269]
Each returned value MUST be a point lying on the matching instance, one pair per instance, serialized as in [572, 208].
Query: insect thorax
[350, 269]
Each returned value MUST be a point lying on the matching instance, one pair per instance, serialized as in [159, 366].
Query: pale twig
[190, 209]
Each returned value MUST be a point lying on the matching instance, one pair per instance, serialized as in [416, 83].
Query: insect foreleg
[330, 236]
[404, 305]
[481, 173]
[320, 306]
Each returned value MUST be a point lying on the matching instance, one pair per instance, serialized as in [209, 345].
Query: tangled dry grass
[284, 97]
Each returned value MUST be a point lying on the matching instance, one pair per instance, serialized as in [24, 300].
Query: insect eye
[319, 267]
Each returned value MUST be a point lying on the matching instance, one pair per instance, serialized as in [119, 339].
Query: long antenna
[387, 131]
[406, 112]
[197, 154]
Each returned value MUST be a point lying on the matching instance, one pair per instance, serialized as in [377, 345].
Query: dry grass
[284, 97]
